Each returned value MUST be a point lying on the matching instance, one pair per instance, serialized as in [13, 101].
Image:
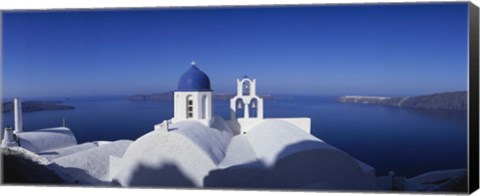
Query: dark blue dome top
[194, 80]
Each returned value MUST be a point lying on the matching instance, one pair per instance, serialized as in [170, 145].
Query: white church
[193, 101]
[197, 148]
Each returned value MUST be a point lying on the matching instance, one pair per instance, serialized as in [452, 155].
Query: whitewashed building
[246, 98]
[193, 97]
[197, 148]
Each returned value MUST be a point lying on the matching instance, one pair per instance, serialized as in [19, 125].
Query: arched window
[240, 110]
[189, 106]
[246, 88]
[253, 108]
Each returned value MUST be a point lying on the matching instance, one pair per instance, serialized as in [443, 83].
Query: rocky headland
[438, 101]
[32, 106]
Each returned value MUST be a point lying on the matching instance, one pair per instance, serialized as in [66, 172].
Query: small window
[246, 88]
[189, 107]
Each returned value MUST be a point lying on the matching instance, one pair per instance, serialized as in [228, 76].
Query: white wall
[202, 106]
[247, 99]
[277, 154]
[183, 157]
[46, 139]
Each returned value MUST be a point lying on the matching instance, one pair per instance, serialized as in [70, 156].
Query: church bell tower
[246, 99]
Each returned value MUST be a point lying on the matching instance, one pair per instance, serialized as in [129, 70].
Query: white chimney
[8, 140]
[17, 104]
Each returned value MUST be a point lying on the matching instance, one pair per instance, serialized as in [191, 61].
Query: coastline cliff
[438, 101]
[32, 106]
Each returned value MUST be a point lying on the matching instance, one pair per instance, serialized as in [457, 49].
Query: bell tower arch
[246, 93]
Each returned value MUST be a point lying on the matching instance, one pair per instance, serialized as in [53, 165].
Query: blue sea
[406, 141]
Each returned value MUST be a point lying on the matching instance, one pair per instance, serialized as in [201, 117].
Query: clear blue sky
[324, 50]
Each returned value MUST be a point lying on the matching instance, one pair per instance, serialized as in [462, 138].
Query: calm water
[406, 141]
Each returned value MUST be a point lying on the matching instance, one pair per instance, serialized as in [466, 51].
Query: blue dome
[194, 80]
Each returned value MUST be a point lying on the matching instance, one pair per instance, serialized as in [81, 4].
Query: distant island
[167, 96]
[441, 101]
[32, 106]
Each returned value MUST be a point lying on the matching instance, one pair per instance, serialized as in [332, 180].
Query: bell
[253, 105]
[239, 105]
